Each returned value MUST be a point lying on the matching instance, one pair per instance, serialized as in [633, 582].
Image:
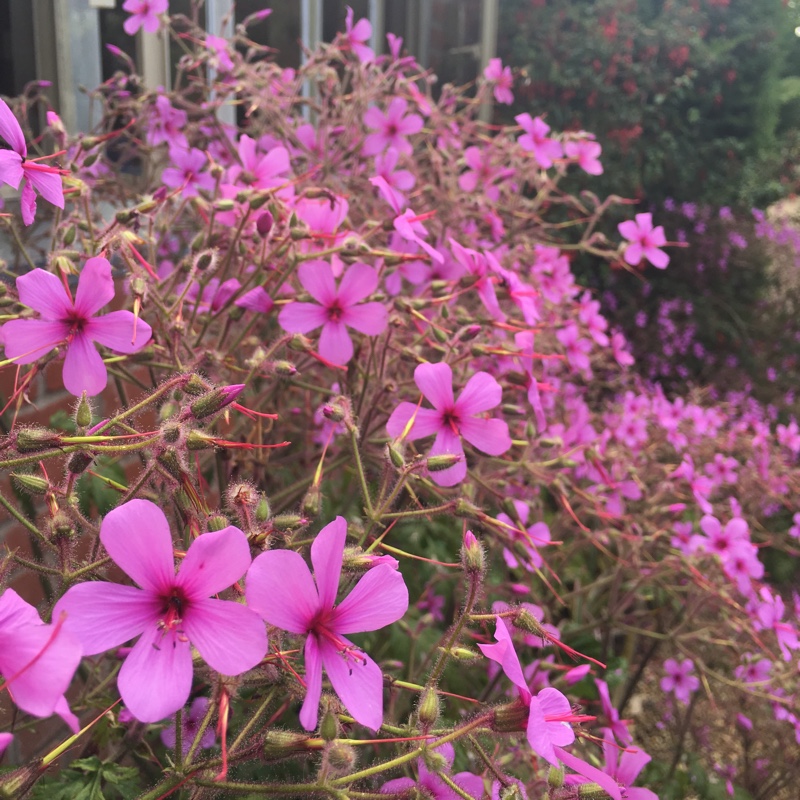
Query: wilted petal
[490, 436]
[43, 292]
[481, 393]
[105, 615]
[156, 678]
[84, 370]
[116, 332]
[230, 637]
[326, 556]
[27, 340]
[214, 561]
[335, 344]
[309, 713]
[358, 681]
[368, 318]
[281, 590]
[95, 287]
[137, 537]
[302, 317]
[435, 381]
[427, 421]
[379, 598]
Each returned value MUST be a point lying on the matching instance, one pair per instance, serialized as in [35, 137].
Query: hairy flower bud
[283, 744]
[395, 456]
[555, 777]
[265, 223]
[312, 502]
[435, 761]
[78, 462]
[263, 511]
[443, 461]
[429, 708]
[340, 758]
[285, 369]
[215, 400]
[511, 717]
[31, 440]
[32, 484]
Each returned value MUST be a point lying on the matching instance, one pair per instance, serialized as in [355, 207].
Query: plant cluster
[351, 337]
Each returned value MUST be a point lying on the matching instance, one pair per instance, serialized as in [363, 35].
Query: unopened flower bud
[260, 199]
[168, 411]
[171, 462]
[461, 653]
[429, 708]
[511, 717]
[285, 369]
[592, 791]
[469, 333]
[434, 761]
[224, 205]
[61, 526]
[440, 335]
[329, 727]
[340, 758]
[69, 235]
[215, 400]
[443, 461]
[195, 385]
[312, 502]
[32, 484]
[472, 555]
[31, 440]
[78, 462]
[288, 522]
[333, 412]
[217, 522]
[171, 432]
[356, 558]
[265, 223]
[555, 777]
[395, 456]
[263, 510]
[282, 744]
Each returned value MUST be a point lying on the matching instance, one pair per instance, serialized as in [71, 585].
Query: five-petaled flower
[63, 321]
[339, 308]
[280, 588]
[450, 419]
[144, 14]
[680, 679]
[15, 167]
[169, 613]
[644, 241]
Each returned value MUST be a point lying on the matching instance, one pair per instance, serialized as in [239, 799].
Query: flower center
[451, 419]
[76, 324]
[172, 609]
[335, 312]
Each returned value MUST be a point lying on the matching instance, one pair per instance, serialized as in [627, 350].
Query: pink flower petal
[11, 168]
[147, 556]
[27, 340]
[84, 370]
[490, 436]
[481, 393]
[156, 678]
[230, 637]
[358, 681]
[27, 203]
[281, 590]
[116, 332]
[11, 130]
[335, 344]
[43, 292]
[368, 318]
[213, 562]
[48, 184]
[302, 317]
[326, 556]
[427, 422]
[504, 654]
[105, 615]
[359, 282]
[435, 381]
[595, 775]
[95, 287]
[379, 598]
[316, 278]
[309, 713]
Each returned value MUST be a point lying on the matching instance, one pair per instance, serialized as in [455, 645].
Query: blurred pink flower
[644, 241]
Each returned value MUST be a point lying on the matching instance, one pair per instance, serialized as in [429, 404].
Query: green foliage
[91, 779]
[684, 96]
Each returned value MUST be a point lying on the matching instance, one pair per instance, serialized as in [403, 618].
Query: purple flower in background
[391, 128]
[535, 140]
[644, 241]
[15, 167]
[503, 81]
[37, 661]
[339, 308]
[450, 419]
[679, 679]
[432, 785]
[587, 153]
[63, 321]
[281, 589]
[190, 724]
[187, 172]
[169, 613]
[144, 14]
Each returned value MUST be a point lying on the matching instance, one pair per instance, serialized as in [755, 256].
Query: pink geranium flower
[680, 679]
[450, 419]
[281, 588]
[15, 167]
[37, 661]
[144, 14]
[190, 724]
[433, 785]
[644, 241]
[536, 141]
[356, 36]
[339, 308]
[169, 613]
[391, 128]
[188, 172]
[503, 80]
[72, 323]
[587, 154]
